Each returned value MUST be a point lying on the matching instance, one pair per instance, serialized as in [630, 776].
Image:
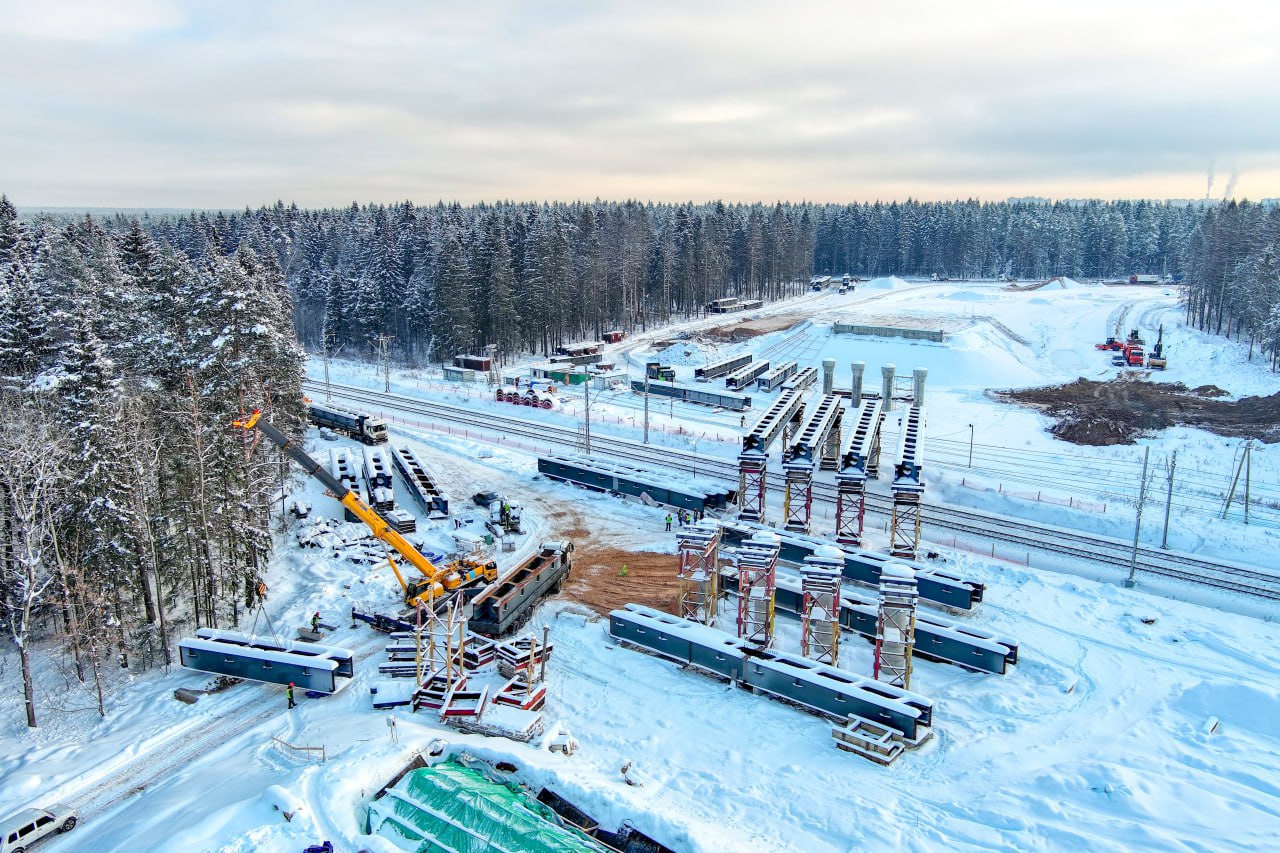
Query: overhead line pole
[1137, 525]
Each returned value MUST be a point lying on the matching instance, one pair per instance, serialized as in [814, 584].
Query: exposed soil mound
[598, 579]
[1119, 411]
[747, 329]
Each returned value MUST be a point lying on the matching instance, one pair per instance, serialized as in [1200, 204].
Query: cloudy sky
[138, 103]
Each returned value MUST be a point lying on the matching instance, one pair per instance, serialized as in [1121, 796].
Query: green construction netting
[449, 808]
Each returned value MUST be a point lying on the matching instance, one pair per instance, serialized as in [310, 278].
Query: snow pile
[891, 282]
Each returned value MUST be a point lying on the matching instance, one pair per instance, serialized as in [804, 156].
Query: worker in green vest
[288, 694]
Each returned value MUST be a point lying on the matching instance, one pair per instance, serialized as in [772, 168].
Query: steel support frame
[757, 577]
[752, 489]
[873, 461]
[799, 499]
[904, 533]
[820, 620]
[698, 578]
[851, 507]
[896, 632]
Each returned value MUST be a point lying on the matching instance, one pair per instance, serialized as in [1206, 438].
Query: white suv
[20, 831]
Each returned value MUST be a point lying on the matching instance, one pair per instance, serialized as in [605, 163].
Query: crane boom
[435, 579]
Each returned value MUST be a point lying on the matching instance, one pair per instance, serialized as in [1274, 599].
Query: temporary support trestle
[752, 473]
[820, 619]
[798, 504]
[851, 493]
[908, 486]
[699, 549]
[896, 625]
[757, 567]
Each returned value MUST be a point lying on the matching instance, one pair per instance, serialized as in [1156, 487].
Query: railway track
[1031, 535]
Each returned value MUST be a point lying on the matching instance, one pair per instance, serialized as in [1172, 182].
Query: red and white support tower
[820, 620]
[852, 475]
[754, 458]
[757, 578]
[896, 625]
[698, 547]
[809, 445]
[908, 486]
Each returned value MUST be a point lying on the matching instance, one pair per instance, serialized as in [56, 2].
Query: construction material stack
[377, 474]
[757, 577]
[820, 619]
[699, 549]
[896, 626]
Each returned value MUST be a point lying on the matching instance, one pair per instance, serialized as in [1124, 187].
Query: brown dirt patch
[597, 579]
[1120, 411]
[748, 329]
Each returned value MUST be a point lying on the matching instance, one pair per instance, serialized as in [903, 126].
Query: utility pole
[586, 413]
[1242, 466]
[1130, 582]
[1168, 500]
[646, 407]
[324, 350]
[386, 363]
[970, 445]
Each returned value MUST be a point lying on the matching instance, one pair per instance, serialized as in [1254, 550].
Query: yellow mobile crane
[435, 580]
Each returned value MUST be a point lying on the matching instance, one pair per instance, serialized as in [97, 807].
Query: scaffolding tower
[820, 619]
[896, 624]
[698, 547]
[757, 568]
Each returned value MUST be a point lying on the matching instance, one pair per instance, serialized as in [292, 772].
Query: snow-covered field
[1099, 739]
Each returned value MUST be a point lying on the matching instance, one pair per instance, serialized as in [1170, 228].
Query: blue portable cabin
[307, 671]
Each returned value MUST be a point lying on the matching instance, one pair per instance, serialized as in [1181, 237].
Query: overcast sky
[138, 103]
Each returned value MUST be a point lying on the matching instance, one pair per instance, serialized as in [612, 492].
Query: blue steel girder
[814, 435]
[772, 422]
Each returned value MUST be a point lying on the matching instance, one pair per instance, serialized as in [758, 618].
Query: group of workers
[684, 516]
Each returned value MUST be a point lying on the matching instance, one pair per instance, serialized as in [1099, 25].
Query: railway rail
[1109, 551]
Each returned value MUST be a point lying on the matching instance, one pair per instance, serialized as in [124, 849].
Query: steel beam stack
[908, 486]
[820, 619]
[851, 476]
[753, 461]
[896, 626]
[699, 549]
[803, 379]
[757, 576]
[813, 441]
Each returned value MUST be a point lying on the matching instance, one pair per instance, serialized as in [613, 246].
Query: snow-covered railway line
[1090, 547]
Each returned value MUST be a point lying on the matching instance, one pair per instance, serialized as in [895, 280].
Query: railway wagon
[703, 397]
[723, 367]
[746, 377]
[724, 306]
[682, 493]
[363, 427]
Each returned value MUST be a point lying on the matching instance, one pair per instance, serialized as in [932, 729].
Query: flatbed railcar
[682, 493]
[363, 427]
[723, 367]
[703, 397]
[746, 377]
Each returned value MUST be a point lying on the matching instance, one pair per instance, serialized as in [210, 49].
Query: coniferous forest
[130, 504]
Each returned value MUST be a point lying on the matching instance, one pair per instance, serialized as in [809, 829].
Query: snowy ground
[1096, 740]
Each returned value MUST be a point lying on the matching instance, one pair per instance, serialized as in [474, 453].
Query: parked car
[484, 499]
[18, 832]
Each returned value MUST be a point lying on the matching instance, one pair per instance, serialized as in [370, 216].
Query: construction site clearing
[1122, 410]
